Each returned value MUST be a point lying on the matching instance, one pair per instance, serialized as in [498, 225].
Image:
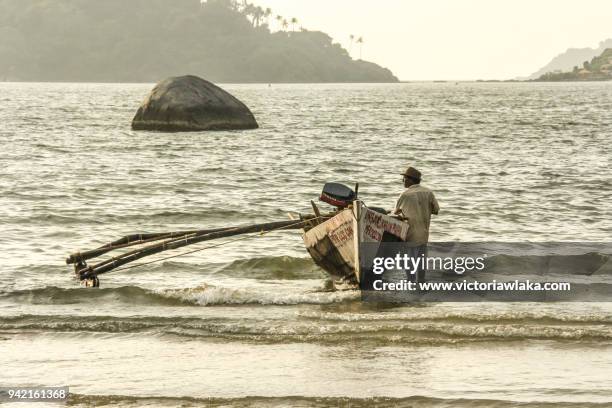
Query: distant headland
[145, 40]
[571, 57]
[597, 69]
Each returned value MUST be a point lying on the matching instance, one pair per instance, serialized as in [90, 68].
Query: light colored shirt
[416, 204]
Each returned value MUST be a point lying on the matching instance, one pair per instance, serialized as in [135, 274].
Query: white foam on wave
[208, 295]
[408, 313]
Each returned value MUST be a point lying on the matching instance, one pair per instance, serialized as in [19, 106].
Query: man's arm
[398, 206]
[435, 207]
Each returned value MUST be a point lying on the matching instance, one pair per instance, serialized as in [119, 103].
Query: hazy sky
[456, 39]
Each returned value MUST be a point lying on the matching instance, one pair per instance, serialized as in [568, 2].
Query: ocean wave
[208, 295]
[582, 266]
[313, 402]
[54, 295]
[588, 264]
[553, 316]
[162, 217]
[260, 268]
[265, 267]
[274, 267]
[182, 216]
[204, 295]
[290, 330]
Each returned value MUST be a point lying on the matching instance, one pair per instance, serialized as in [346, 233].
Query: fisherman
[415, 206]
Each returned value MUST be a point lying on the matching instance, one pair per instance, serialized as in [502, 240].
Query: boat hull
[334, 244]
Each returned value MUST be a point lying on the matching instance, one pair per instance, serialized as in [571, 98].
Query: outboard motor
[337, 195]
[342, 196]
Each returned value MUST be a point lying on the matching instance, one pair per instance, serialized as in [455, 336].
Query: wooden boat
[334, 244]
[332, 239]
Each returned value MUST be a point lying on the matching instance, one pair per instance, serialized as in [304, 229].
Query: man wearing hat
[415, 206]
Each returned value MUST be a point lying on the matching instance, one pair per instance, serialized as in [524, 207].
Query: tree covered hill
[567, 60]
[147, 40]
[598, 69]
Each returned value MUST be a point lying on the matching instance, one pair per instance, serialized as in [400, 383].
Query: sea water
[254, 322]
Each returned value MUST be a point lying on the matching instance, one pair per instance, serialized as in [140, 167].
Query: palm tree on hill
[352, 38]
[258, 14]
[294, 21]
[360, 42]
[279, 20]
[267, 14]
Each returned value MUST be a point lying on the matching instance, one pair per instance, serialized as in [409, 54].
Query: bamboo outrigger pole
[132, 240]
[173, 242]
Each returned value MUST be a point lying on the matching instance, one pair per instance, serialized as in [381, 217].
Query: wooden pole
[131, 240]
[174, 243]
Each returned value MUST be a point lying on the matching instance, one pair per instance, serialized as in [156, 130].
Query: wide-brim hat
[412, 173]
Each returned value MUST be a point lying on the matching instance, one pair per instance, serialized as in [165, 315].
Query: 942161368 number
[33, 393]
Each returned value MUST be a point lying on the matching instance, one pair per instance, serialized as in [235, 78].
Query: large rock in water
[189, 103]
